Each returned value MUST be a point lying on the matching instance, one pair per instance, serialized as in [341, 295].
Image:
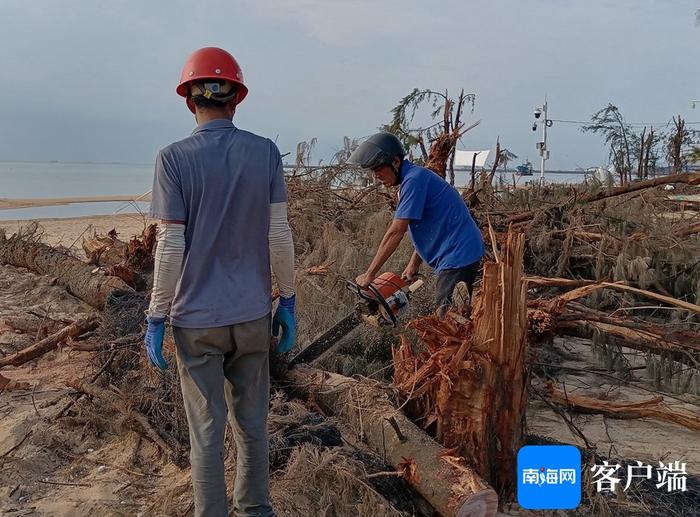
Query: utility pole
[543, 151]
[542, 145]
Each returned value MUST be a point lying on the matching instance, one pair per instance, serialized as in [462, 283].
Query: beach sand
[70, 231]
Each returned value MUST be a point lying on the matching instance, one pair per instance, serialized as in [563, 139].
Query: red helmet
[212, 63]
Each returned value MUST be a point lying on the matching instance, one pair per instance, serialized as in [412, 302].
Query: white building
[463, 165]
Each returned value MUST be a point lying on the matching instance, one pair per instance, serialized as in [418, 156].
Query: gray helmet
[378, 149]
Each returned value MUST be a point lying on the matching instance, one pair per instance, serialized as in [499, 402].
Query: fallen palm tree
[81, 280]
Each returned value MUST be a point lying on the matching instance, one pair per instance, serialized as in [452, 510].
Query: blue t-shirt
[220, 181]
[441, 227]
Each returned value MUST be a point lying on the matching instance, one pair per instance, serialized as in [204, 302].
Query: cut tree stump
[470, 387]
[104, 250]
[51, 342]
[72, 274]
[442, 477]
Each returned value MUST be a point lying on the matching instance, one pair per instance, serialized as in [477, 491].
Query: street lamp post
[542, 145]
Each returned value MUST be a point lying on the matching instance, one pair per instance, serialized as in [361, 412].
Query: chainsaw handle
[415, 286]
[359, 291]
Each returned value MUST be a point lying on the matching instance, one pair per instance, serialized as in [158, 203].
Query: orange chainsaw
[379, 304]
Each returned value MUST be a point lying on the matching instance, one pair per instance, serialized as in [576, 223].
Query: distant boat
[525, 169]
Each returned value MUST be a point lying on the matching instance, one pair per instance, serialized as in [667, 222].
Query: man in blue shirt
[442, 230]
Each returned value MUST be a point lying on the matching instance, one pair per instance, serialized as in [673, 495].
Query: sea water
[56, 179]
[28, 180]
[31, 180]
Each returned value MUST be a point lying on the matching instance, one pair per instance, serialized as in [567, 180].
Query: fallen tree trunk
[654, 296]
[651, 408]
[690, 178]
[72, 331]
[556, 305]
[445, 480]
[72, 274]
[541, 281]
[643, 340]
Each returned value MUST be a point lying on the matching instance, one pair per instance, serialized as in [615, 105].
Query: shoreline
[16, 203]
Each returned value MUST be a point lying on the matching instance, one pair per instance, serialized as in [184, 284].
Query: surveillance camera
[538, 112]
[534, 127]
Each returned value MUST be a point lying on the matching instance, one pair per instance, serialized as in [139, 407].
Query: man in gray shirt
[222, 202]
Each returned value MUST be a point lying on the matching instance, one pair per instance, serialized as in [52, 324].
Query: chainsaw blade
[326, 341]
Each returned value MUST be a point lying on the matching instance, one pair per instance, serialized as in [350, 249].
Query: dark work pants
[449, 278]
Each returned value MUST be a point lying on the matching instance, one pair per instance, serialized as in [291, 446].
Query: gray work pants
[220, 368]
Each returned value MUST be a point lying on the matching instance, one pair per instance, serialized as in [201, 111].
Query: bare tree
[304, 153]
[679, 145]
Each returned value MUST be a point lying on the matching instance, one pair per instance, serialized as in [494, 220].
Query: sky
[87, 80]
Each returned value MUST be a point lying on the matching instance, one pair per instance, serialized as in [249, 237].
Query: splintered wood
[321, 269]
[469, 387]
[104, 249]
[108, 250]
[124, 260]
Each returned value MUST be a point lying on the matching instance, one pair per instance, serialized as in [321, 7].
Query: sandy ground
[69, 232]
[60, 468]
[6, 203]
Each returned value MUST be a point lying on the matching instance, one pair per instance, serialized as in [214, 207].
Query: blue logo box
[549, 477]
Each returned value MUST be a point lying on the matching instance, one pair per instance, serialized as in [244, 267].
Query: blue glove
[289, 303]
[154, 342]
[284, 317]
